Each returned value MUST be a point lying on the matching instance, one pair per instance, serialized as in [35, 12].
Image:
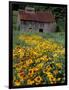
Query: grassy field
[38, 58]
[57, 37]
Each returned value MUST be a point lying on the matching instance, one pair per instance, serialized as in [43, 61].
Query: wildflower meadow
[38, 61]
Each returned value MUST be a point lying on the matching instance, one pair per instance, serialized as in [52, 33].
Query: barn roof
[37, 16]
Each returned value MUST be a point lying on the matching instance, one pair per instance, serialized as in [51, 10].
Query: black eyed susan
[38, 79]
[47, 69]
[41, 57]
[35, 69]
[21, 75]
[31, 72]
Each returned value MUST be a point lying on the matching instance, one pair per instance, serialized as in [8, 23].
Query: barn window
[40, 30]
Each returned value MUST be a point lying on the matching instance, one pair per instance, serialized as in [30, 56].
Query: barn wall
[49, 27]
[28, 26]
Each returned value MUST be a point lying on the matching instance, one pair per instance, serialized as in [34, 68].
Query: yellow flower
[17, 82]
[21, 53]
[37, 60]
[59, 65]
[22, 75]
[24, 65]
[52, 79]
[55, 55]
[58, 79]
[47, 69]
[55, 72]
[28, 62]
[49, 74]
[44, 58]
[30, 82]
[17, 67]
[31, 71]
[40, 65]
[50, 58]
[38, 79]
[37, 54]
[18, 51]
[35, 69]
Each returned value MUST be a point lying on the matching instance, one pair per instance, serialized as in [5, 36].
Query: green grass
[57, 37]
